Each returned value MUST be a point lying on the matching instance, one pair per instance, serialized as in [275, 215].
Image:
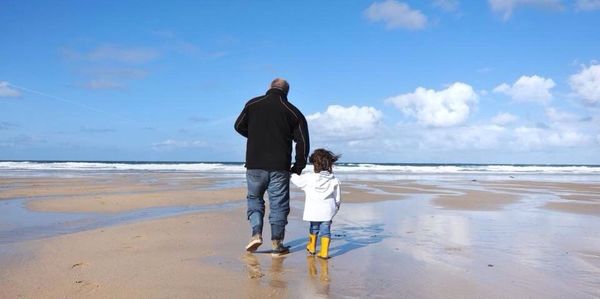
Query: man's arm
[241, 124]
[300, 136]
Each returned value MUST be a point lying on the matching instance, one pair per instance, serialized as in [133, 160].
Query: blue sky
[498, 81]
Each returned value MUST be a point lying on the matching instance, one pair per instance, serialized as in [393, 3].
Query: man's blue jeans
[322, 228]
[277, 185]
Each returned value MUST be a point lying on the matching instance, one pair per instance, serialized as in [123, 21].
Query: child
[323, 198]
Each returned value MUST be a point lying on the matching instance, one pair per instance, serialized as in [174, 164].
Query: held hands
[296, 170]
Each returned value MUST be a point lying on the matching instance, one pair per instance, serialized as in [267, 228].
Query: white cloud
[504, 118]
[115, 72]
[128, 55]
[461, 138]
[175, 44]
[199, 119]
[4, 125]
[568, 138]
[110, 66]
[497, 140]
[586, 83]
[506, 7]
[20, 141]
[587, 4]
[111, 78]
[396, 15]
[97, 130]
[170, 144]
[112, 53]
[539, 138]
[528, 138]
[482, 142]
[447, 107]
[103, 84]
[528, 89]
[447, 5]
[168, 34]
[345, 123]
[559, 116]
[7, 91]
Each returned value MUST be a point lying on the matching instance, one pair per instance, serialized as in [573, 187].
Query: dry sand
[393, 239]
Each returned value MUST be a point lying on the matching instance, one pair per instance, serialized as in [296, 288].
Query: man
[270, 123]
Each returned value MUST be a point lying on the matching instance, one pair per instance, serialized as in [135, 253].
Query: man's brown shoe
[254, 243]
[279, 249]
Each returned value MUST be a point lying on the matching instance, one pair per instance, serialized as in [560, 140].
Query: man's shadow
[295, 245]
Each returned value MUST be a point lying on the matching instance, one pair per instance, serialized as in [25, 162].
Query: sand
[120, 202]
[117, 183]
[475, 200]
[452, 239]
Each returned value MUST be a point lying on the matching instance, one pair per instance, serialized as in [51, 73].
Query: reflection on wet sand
[406, 246]
[275, 277]
[252, 266]
[319, 279]
[276, 273]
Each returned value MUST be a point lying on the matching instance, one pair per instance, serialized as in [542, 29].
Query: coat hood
[325, 184]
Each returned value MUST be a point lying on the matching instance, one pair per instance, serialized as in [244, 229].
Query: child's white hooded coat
[323, 195]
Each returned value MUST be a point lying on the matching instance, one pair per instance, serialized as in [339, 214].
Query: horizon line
[241, 162]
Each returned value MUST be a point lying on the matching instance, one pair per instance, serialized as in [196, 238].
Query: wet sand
[394, 239]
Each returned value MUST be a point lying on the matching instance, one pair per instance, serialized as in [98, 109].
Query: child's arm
[298, 180]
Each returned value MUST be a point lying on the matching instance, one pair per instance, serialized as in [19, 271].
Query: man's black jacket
[270, 123]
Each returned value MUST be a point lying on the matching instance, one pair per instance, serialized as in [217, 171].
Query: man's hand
[296, 170]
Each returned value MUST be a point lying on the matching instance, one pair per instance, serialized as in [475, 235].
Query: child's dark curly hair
[323, 159]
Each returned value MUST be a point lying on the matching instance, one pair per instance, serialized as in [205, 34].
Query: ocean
[354, 171]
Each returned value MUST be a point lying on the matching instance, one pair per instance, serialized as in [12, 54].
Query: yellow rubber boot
[324, 252]
[311, 247]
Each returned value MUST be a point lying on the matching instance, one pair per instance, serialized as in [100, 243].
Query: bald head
[281, 84]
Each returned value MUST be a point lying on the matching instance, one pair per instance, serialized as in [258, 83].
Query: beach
[162, 234]
[464, 137]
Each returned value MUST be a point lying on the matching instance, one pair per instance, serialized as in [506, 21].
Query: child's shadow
[355, 237]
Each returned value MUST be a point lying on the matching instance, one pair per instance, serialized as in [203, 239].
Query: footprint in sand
[85, 287]
[76, 265]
